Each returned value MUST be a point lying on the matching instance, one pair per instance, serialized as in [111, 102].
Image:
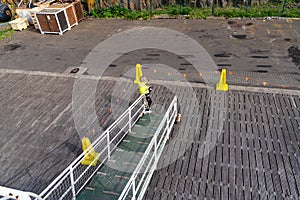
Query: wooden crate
[32, 15]
[78, 10]
[29, 14]
[70, 11]
[34, 21]
[53, 20]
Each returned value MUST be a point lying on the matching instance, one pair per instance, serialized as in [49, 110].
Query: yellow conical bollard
[90, 156]
[222, 85]
[138, 73]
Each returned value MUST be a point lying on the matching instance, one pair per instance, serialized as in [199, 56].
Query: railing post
[175, 105]
[129, 118]
[133, 189]
[144, 103]
[155, 147]
[168, 125]
[108, 144]
[72, 183]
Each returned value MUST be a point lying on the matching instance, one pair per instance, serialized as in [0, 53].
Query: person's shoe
[148, 110]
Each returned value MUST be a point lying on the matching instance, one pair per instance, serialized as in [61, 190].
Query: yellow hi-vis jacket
[143, 88]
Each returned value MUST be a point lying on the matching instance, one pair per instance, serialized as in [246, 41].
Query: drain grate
[223, 65]
[112, 65]
[153, 54]
[181, 69]
[186, 56]
[74, 71]
[223, 55]
[261, 71]
[264, 66]
[259, 56]
[149, 58]
[259, 51]
[184, 64]
[240, 37]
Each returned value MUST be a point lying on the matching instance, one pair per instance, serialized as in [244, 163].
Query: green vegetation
[6, 33]
[264, 10]
[257, 11]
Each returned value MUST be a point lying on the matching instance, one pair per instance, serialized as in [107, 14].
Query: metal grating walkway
[256, 155]
[112, 177]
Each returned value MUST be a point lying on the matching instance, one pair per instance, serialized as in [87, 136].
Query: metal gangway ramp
[127, 155]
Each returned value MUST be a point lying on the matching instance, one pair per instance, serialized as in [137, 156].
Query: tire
[5, 13]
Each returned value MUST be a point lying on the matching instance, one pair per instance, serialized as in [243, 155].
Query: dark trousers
[148, 98]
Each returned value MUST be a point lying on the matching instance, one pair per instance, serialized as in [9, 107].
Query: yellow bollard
[222, 85]
[138, 73]
[90, 156]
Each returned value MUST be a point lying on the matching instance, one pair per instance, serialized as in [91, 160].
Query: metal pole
[180, 7]
[151, 6]
[247, 6]
[213, 8]
[72, 183]
[155, 148]
[129, 120]
[108, 145]
[133, 189]
[283, 7]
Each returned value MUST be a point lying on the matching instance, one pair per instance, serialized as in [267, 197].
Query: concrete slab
[262, 56]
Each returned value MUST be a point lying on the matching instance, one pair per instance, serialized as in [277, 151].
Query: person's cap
[138, 65]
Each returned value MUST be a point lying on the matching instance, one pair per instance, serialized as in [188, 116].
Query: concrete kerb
[159, 82]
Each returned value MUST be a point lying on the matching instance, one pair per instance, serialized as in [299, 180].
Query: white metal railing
[74, 178]
[140, 178]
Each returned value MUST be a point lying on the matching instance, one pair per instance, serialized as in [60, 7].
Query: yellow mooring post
[90, 156]
[138, 73]
[222, 85]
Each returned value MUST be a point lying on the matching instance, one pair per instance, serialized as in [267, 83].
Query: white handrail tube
[167, 122]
